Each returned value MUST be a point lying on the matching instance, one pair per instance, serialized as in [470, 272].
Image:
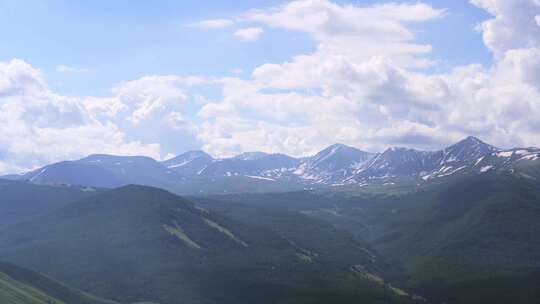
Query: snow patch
[38, 175]
[530, 157]
[505, 154]
[479, 161]
[260, 177]
[179, 164]
[486, 169]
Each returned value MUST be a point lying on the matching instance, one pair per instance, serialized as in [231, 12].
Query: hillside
[22, 286]
[470, 239]
[139, 243]
[21, 201]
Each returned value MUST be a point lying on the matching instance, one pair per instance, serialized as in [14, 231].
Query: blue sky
[124, 40]
[160, 78]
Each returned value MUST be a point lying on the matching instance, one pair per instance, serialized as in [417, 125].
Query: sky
[159, 78]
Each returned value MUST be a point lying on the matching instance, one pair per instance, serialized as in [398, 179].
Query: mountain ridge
[336, 165]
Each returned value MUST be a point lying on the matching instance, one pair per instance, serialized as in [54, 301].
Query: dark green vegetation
[144, 244]
[21, 201]
[22, 286]
[230, 184]
[471, 239]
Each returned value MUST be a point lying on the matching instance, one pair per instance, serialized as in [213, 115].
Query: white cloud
[249, 34]
[177, 121]
[69, 69]
[357, 32]
[514, 26]
[363, 85]
[40, 126]
[358, 86]
[148, 95]
[18, 77]
[213, 24]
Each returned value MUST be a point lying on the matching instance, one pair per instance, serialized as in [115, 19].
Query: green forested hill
[22, 286]
[144, 244]
[21, 201]
[472, 239]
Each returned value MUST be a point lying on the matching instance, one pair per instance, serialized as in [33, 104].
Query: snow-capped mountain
[468, 156]
[251, 155]
[394, 162]
[189, 163]
[458, 157]
[268, 165]
[332, 164]
[466, 151]
[410, 163]
[336, 165]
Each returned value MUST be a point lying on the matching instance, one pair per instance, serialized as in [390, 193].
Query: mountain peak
[467, 150]
[335, 148]
[189, 155]
[190, 161]
[473, 142]
[338, 157]
[251, 155]
[401, 150]
[338, 146]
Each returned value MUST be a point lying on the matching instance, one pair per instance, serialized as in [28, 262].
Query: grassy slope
[21, 201]
[21, 286]
[471, 239]
[131, 244]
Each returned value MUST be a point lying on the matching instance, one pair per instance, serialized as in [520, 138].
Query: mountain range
[456, 226]
[338, 165]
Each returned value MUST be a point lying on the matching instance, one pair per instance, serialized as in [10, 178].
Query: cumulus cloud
[359, 87]
[514, 26]
[40, 126]
[354, 31]
[149, 94]
[249, 34]
[364, 85]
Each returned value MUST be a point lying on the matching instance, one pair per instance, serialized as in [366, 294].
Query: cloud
[144, 97]
[40, 126]
[354, 31]
[177, 121]
[212, 24]
[150, 94]
[249, 34]
[69, 69]
[514, 26]
[362, 85]
[18, 77]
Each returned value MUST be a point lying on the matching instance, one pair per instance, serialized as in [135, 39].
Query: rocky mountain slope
[337, 165]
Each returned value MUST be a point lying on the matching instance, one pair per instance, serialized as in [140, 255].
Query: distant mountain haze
[337, 165]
